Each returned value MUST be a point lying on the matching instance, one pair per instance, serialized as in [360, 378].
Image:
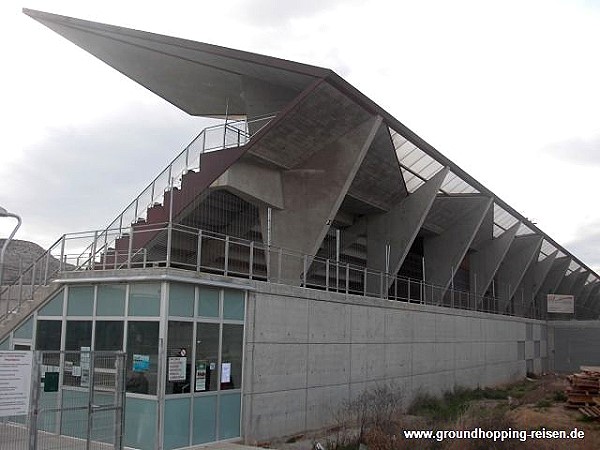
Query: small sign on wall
[563, 304]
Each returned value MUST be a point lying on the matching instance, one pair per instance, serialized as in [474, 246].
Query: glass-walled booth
[184, 345]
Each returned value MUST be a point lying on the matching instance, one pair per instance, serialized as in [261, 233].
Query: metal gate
[76, 402]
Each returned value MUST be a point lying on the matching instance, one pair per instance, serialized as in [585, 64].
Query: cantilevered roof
[208, 80]
[201, 79]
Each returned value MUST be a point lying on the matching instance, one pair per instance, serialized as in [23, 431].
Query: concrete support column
[398, 228]
[551, 282]
[444, 253]
[532, 282]
[312, 195]
[520, 256]
[487, 259]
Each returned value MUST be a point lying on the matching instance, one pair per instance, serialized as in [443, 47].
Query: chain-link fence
[76, 402]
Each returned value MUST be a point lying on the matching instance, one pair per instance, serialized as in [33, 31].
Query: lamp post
[5, 213]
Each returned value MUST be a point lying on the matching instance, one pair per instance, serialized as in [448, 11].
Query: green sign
[51, 382]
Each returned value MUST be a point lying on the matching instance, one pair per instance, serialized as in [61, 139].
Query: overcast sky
[509, 90]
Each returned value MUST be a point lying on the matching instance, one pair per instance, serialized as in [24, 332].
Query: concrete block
[445, 328]
[537, 332]
[368, 362]
[529, 350]
[278, 367]
[424, 327]
[275, 414]
[444, 356]
[400, 325]
[328, 364]
[368, 324]
[468, 378]
[537, 366]
[423, 357]
[398, 360]
[280, 319]
[543, 349]
[329, 322]
[323, 403]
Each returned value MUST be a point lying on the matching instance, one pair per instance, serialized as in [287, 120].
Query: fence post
[93, 258]
[62, 254]
[35, 395]
[251, 260]
[327, 274]
[47, 263]
[90, 411]
[119, 399]
[130, 247]
[199, 252]
[365, 282]
[279, 262]
[347, 277]
[226, 263]
[305, 264]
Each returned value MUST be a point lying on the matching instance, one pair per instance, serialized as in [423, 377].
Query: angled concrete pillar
[551, 282]
[532, 282]
[398, 228]
[586, 291]
[578, 285]
[520, 256]
[567, 283]
[590, 298]
[486, 260]
[312, 195]
[486, 230]
[444, 253]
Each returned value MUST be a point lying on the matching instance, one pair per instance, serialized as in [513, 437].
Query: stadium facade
[308, 248]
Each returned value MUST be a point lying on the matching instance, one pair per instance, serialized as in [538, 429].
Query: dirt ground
[533, 404]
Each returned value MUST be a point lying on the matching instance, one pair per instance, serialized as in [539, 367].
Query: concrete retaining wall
[576, 343]
[308, 352]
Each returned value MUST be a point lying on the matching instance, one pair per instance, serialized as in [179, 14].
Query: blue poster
[141, 363]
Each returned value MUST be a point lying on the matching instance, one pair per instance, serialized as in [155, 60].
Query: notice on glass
[141, 363]
[85, 367]
[226, 372]
[177, 366]
[15, 382]
[200, 376]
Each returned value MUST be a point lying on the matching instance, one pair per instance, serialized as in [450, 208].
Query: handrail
[182, 163]
[258, 261]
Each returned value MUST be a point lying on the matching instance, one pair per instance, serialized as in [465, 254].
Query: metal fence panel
[77, 403]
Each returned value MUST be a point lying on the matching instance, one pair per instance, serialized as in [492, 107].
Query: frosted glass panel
[181, 300]
[111, 300]
[208, 303]
[205, 419]
[177, 423]
[140, 423]
[233, 305]
[80, 301]
[25, 331]
[54, 307]
[144, 299]
[229, 416]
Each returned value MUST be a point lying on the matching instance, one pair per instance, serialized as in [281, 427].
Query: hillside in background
[19, 256]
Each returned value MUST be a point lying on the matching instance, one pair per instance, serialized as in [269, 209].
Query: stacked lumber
[583, 392]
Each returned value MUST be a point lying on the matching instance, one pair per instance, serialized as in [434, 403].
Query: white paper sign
[226, 372]
[561, 303]
[15, 382]
[177, 368]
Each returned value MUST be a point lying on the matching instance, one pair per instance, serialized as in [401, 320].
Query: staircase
[130, 237]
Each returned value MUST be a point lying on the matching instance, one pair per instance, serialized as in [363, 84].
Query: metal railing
[58, 257]
[210, 139]
[77, 402]
[183, 247]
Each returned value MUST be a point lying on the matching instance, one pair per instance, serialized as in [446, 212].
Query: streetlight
[5, 213]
